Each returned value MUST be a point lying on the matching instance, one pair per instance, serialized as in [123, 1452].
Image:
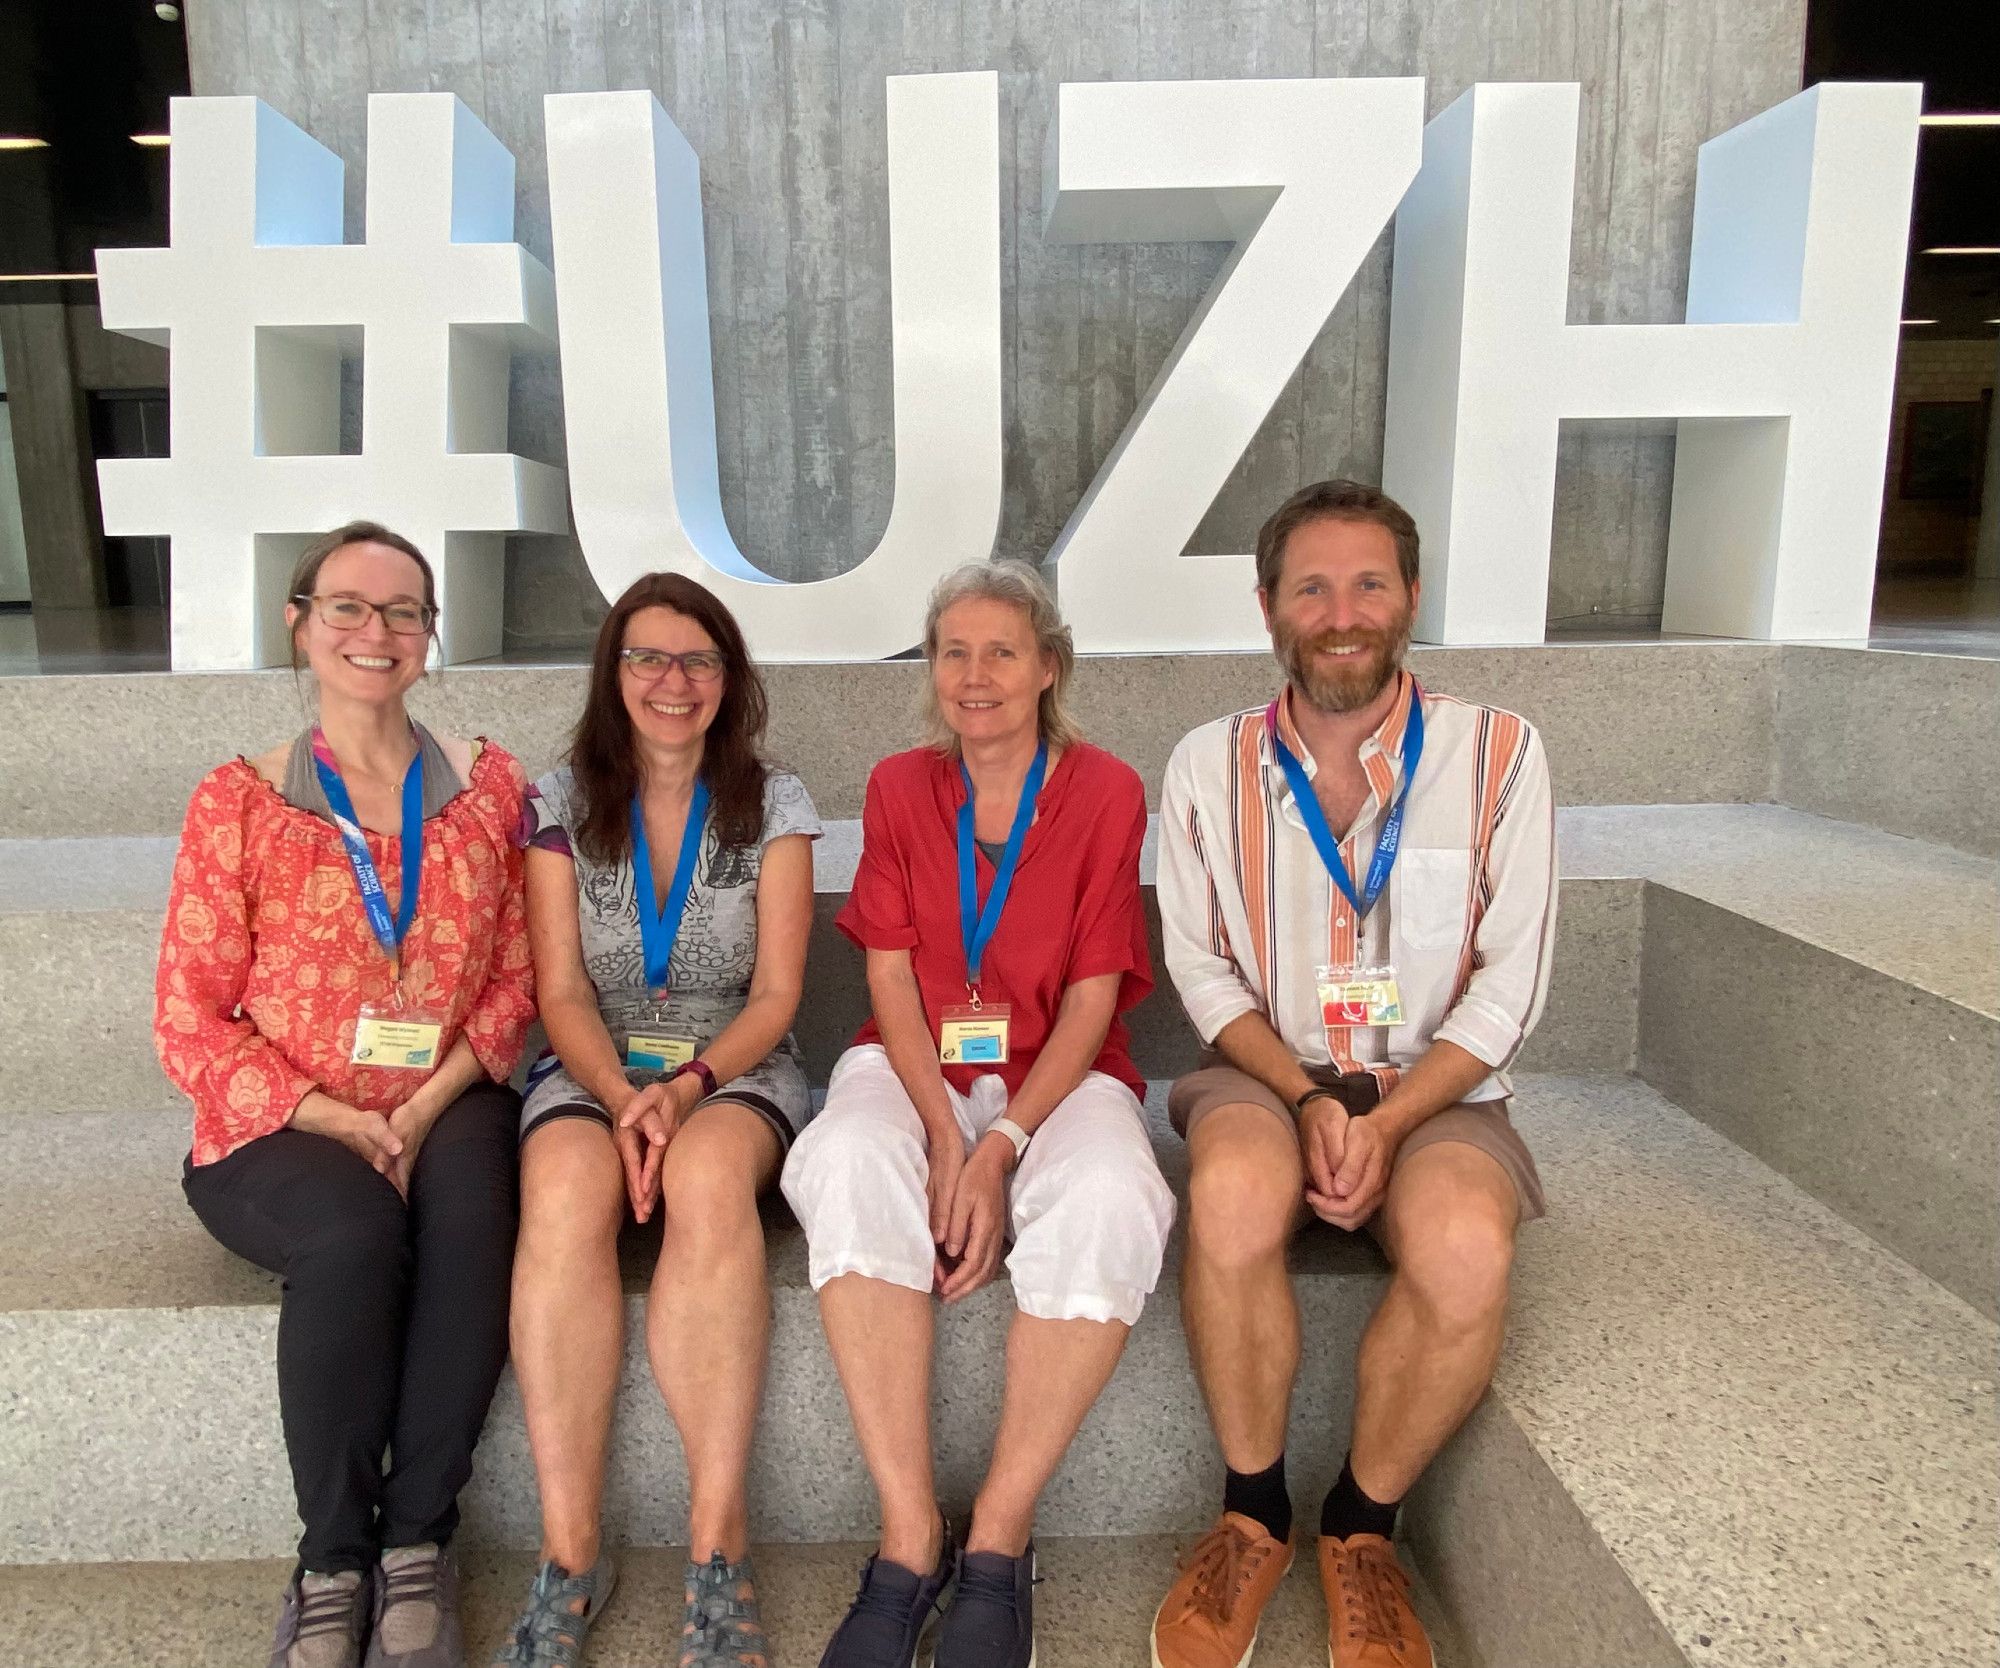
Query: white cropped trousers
[1088, 1210]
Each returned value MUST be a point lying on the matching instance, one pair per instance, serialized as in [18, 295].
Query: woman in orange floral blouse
[383, 1193]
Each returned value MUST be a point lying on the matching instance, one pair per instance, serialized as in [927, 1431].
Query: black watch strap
[1316, 1092]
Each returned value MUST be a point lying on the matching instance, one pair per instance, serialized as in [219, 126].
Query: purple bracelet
[701, 1069]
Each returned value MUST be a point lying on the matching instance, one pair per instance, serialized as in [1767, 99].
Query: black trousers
[393, 1327]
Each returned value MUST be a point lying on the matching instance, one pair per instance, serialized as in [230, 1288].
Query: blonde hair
[1021, 586]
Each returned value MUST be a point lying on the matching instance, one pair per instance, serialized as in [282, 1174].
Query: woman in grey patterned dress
[672, 1082]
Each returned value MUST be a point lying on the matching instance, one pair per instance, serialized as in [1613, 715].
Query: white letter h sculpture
[260, 298]
[1781, 378]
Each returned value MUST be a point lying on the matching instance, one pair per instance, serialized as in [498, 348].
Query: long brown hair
[603, 759]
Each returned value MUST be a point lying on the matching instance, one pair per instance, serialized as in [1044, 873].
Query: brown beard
[1349, 689]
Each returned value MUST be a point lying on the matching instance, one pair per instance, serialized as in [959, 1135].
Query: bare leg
[1245, 1200]
[880, 1335]
[1430, 1348]
[1056, 1370]
[708, 1323]
[568, 1325]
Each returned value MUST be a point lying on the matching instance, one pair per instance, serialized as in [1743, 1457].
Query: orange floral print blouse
[267, 957]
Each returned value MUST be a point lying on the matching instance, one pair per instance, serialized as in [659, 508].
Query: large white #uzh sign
[1780, 379]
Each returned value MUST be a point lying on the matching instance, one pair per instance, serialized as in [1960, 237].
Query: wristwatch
[1014, 1133]
[1316, 1092]
[701, 1069]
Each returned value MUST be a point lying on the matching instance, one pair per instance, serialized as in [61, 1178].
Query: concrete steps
[1828, 996]
[1747, 1414]
[80, 934]
[1729, 1427]
[1092, 1609]
[1689, 722]
[1625, 724]
[1780, 974]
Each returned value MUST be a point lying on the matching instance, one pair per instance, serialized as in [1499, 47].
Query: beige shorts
[1483, 1123]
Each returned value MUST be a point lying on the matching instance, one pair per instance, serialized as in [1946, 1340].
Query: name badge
[1358, 996]
[969, 1036]
[657, 1053]
[405, 1039]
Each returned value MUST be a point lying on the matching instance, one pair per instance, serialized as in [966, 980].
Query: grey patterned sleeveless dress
[709, 973]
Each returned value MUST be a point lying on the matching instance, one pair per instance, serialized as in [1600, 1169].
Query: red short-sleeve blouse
[1073, 914]
[266, 956]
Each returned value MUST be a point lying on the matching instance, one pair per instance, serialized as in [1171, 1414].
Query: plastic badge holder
[1359, 995]
[974, 1034]
[393, 1034]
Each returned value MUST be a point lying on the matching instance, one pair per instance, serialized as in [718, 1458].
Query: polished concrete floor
[1094, 1607]
[1917, 615]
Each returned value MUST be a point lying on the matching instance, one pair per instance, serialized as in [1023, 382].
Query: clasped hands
[642, 1127]
[389, 1145]
[968, 1201]
[1347, 1162]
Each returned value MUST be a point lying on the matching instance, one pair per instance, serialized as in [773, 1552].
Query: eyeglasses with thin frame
[698, 665]
[348, 612]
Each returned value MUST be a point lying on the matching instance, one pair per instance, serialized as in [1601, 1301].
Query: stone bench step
[1728, 1428]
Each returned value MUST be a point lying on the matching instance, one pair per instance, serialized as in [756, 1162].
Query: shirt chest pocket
[1428, 909]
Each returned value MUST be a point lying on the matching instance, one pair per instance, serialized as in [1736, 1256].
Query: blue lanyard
[1315, 818]
[660, 926]
[389, 934]
[976, 926]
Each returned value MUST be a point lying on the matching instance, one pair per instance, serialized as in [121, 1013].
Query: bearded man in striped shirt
[1357, 884]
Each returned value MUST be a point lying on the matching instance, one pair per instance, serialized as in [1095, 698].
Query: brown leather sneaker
[1369, 1620]
[1210, 1614]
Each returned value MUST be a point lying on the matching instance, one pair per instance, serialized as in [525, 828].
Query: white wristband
[1014, 1133]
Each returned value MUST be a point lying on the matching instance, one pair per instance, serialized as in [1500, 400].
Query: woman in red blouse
[991, 1097]
[347, 1058]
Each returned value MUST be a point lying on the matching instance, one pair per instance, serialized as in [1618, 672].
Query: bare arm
[906, 1037]
[1443, 1076]
[784, 923]
[1249, 1044]
[1082, 1020]
[568, 998]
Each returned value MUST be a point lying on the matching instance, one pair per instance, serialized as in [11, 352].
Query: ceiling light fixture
[21, 142]
[1961, 118]
[1964, 249]
[48, 277]
[1919, 321]
[153, 141]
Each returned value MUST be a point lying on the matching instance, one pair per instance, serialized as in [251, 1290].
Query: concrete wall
[1918, 533]
[784, 102]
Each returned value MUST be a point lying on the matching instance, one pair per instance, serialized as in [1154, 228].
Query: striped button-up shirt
[1467, 920]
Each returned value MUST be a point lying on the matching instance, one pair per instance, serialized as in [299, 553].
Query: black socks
[1350, 1512]
[1262, 1497]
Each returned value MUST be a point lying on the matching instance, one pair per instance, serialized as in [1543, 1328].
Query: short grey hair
[1023, 587]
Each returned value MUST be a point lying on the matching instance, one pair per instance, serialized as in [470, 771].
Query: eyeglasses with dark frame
[697, 665]
[348, 612]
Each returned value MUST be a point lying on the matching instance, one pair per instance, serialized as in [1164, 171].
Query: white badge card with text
[972, 1034]
[391, 1034]
[1356, 995]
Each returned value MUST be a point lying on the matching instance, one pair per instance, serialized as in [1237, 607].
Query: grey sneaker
[549, 1631]
[894, 1613]
[991, 1623]
[722, 1628]
[322, 1621]
[416, 1610]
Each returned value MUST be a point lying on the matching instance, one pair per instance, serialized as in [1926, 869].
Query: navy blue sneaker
[893, 1614]
[991, 1623]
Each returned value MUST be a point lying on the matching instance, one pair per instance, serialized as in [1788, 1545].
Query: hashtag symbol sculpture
[259, 300]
